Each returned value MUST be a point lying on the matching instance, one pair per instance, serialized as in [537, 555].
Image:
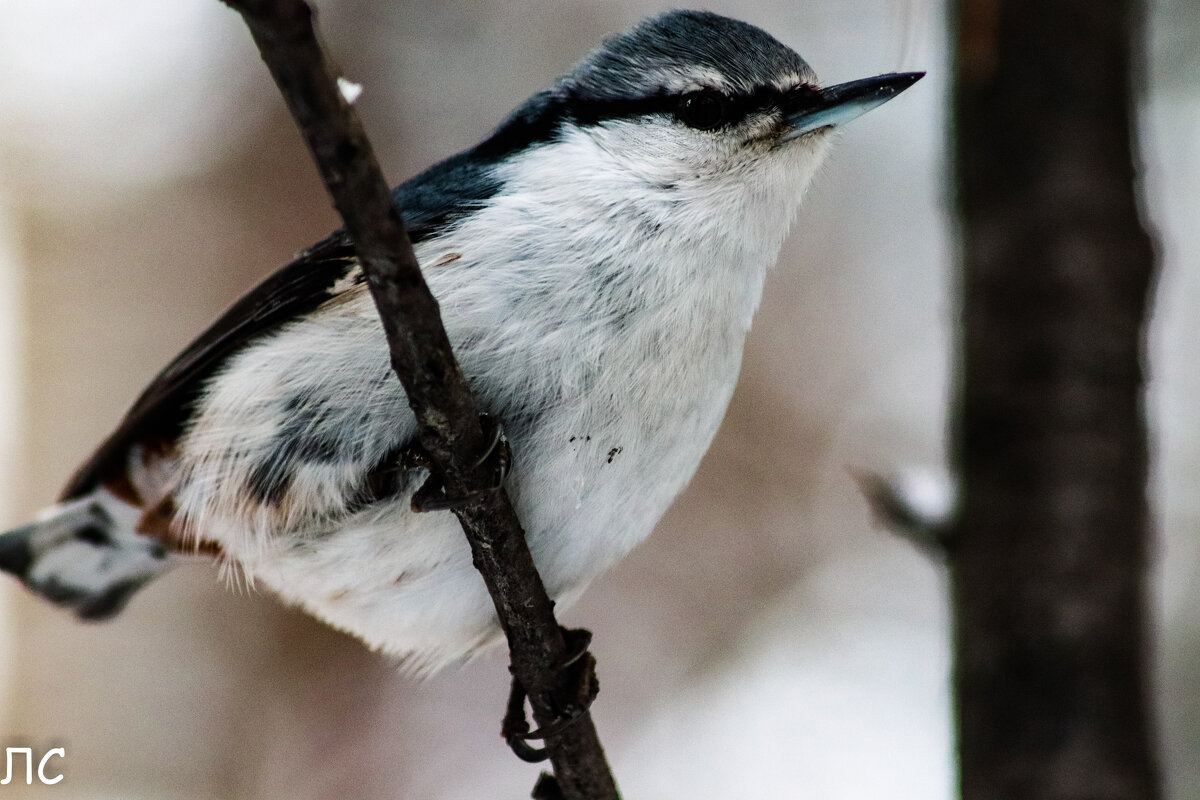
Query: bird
[598, 259]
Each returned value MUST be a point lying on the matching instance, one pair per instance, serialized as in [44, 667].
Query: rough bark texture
[1049, 559]
[449, 426]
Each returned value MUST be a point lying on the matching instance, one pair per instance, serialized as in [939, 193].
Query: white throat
[625, 220]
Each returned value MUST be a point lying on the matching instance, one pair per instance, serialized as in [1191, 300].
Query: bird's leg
[431, 496]
[577, 686]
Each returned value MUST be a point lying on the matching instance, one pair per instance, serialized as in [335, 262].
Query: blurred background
[765, 641]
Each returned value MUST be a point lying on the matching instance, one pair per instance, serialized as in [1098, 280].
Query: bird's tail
[84, 554]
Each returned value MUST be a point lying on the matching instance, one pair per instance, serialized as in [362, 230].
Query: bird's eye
[703, 110]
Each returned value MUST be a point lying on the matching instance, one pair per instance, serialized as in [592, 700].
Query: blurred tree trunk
[1049, 558]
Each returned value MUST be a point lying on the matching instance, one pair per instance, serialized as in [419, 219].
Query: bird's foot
[578, 689]
[432, 495]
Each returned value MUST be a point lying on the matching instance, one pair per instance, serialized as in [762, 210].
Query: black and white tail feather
[84, 555]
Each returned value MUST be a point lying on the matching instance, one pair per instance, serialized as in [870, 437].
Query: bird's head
[692, 107]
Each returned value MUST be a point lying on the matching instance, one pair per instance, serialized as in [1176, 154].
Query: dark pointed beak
[837, 105]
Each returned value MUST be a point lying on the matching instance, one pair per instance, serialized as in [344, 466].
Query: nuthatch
[597, 259]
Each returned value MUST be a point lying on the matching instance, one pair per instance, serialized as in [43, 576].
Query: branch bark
[1049, 558]
[448, 418]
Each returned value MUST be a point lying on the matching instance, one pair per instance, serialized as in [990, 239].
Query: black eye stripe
[543, 116]
[590, 111]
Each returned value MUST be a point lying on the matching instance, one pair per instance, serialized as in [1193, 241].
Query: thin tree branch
[1050, 555]
[448, 418]
[914, 504]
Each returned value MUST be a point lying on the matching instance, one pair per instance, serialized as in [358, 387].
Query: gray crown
[678, 49]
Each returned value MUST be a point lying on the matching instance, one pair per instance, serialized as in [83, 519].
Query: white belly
[596, 462]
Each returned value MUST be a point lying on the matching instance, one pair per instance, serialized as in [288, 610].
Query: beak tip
[847, 101]
[899, 81]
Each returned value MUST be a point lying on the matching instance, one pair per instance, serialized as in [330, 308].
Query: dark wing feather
[428, 203]
[164, 406]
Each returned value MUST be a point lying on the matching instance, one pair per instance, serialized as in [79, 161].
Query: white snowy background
[765, 642]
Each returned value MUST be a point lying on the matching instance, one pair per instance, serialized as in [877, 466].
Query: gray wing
[428, 204]
[162, 409]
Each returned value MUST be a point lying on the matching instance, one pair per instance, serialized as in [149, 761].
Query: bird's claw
[580, 680]
[497, 447]
[432, 496]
